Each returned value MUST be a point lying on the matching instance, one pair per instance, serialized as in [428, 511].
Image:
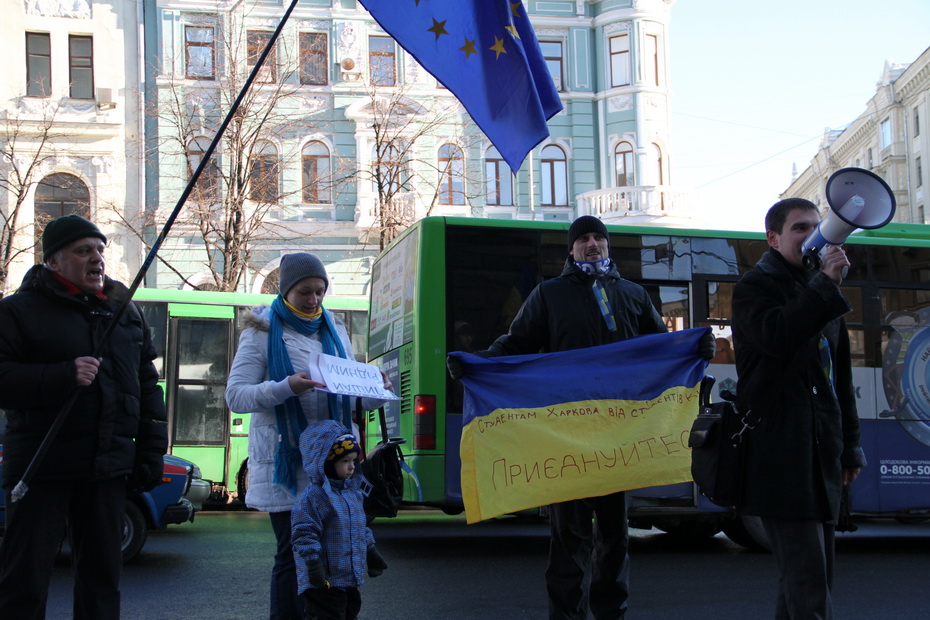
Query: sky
[755, 84]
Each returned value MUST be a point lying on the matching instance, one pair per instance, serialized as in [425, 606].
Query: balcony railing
[617, 202]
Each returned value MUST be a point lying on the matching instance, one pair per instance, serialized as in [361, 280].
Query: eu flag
[486, 53]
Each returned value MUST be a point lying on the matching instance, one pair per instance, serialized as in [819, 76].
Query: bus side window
[156, 316]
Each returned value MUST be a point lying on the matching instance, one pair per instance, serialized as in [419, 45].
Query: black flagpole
[23, 485]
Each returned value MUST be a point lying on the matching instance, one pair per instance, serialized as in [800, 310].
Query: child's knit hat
[345, 444]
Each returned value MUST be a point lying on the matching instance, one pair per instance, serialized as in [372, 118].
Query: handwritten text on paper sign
[348, 377]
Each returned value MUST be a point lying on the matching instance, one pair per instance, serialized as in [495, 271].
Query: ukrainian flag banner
[486, 53]
[539, 429]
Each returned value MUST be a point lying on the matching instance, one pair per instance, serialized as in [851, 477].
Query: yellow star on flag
[438, 28]
[513, 31]
[498, 47]
[469, 47]
[514, 8]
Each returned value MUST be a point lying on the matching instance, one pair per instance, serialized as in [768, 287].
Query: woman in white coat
[269, 378]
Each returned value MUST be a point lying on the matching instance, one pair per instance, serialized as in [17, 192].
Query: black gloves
[456, 367]
[145, 477]
[317, 575]
[376, 563]
[707, 347]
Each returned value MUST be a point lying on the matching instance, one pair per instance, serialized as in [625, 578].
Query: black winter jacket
[117, 423]
[806, 435]
[562, 314]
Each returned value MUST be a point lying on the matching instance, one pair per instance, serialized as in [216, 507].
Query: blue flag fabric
[636, 369]
[486, 53]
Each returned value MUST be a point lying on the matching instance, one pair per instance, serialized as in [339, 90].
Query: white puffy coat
[250, 390]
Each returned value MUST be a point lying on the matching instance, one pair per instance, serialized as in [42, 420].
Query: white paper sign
[348, 377]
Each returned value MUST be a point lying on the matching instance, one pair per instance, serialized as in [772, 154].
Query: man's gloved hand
[376, 563]
[145, 477]
[707, 347]
[456, 367]
[317, 575]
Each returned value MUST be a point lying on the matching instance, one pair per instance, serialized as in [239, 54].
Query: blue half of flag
[636, 369]
[486, 53]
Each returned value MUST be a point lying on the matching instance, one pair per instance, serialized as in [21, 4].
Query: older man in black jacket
[588, 305]
[793, 361]
[113, 439]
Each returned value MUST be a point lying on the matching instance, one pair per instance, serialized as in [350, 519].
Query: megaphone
[858, 199]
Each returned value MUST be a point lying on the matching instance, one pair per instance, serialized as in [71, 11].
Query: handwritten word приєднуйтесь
[511, 473]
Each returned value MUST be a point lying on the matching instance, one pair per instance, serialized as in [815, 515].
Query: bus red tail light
[424, 422]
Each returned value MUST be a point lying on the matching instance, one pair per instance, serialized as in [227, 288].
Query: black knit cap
[296, 267]
[585, 224]
[64, 230]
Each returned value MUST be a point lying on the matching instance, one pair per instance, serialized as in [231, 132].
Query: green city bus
[195, 335]
[456, 284]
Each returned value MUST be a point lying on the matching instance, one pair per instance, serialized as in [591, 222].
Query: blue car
[175, 500]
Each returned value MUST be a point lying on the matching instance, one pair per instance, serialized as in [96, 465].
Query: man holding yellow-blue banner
[588, 305]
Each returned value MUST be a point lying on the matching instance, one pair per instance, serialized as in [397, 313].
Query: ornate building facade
[890, 138]
[343, 138]
[70, 130]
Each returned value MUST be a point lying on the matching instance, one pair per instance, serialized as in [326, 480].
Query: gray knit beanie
[585, 224]
[64, 230]
[296, 267]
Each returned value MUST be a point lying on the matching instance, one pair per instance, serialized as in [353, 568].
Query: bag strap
[748, 421]
[383, 421]
[362, 421]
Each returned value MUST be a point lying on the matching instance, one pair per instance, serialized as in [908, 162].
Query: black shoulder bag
[718, 444]
[383, 467]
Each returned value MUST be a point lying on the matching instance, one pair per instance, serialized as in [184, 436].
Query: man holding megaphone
[795, 376]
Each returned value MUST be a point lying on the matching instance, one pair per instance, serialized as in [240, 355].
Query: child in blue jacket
[332, 543]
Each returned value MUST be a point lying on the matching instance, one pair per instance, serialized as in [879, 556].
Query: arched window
[263, 173]
[554, 177]
[658, 177]
[498, 179]
[208, 185]
[451, 175]
[57, 195]
[316, 173]
[272, 282]
[623, 164]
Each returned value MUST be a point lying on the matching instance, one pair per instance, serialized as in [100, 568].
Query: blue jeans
[285, 604]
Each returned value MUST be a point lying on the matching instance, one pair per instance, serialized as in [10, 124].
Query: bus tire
[242, 481]
[135, 531]
[748, 532]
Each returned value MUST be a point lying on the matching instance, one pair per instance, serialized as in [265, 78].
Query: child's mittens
[317, 575]
[376, 563]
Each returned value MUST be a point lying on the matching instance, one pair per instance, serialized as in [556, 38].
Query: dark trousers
[35, 526]
[285, 603]
[332, 603]
[589, 546]
[804, 553]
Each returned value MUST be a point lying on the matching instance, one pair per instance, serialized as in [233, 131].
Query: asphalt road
[217, 568]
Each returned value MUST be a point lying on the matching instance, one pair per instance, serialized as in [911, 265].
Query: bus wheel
[452, 510]
[242, 481]
[134, 531]
[748, 532]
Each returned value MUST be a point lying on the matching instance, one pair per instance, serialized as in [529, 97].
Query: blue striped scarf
[289, 415]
